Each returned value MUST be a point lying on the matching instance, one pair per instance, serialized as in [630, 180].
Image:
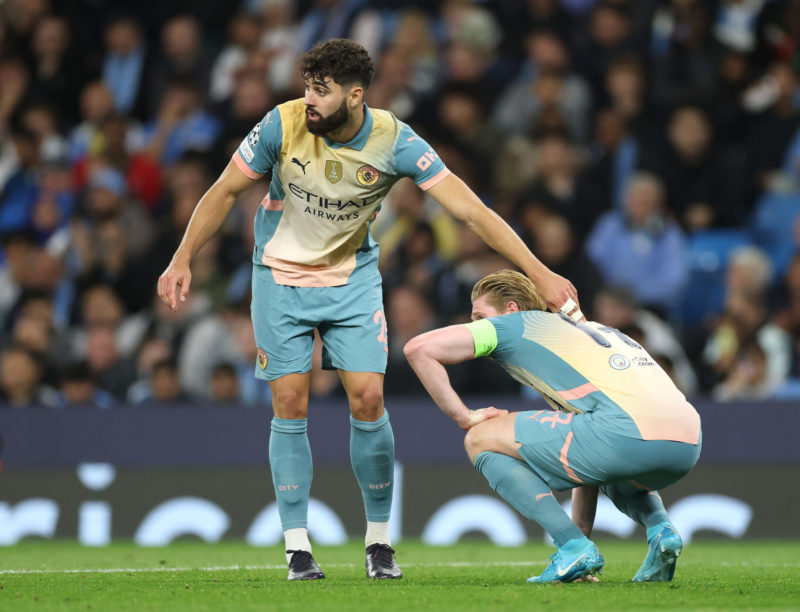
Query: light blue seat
[709, 252]
[774, 227]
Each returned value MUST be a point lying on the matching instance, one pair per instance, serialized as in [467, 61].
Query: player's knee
[474, 443]
[367, 404]
[290, 404]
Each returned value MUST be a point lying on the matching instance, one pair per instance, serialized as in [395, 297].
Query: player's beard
[325, 125]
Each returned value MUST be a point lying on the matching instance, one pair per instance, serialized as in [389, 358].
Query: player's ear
[512, 307]
[355, 96]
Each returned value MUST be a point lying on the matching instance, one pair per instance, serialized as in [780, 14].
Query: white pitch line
[133, 570]
[222, 568]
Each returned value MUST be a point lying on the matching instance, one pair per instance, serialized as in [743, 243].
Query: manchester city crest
[367, 175]
[333, 170]
[261, 358]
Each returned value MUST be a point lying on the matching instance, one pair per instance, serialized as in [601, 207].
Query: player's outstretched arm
[210, 212]
[461, 202]
[427, 354]
[584, 507]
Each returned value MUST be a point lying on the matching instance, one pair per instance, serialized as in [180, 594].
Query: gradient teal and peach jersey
[312, 230]
[589, 368]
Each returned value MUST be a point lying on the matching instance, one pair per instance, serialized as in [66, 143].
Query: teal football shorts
[569, 450]
[350, 320]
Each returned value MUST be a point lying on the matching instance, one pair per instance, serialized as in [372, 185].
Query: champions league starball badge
[253, 136]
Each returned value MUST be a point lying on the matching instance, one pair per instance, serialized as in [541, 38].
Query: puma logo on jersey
[299, 163]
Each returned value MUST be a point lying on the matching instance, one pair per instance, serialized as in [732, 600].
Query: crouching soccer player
[620, 423]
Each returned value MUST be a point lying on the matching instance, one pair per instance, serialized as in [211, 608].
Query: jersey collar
[358, 141]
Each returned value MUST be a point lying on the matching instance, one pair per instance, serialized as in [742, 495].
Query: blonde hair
[509, 286]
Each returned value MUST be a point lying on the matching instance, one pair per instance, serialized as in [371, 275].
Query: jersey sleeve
[261, 148]
[484, 335]
[417, 160]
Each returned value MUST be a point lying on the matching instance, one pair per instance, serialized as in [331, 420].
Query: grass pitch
[721, 575]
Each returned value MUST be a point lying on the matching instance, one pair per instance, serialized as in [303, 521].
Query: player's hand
[481, 415]
[561, 295]
[173, 284]
[589, 578]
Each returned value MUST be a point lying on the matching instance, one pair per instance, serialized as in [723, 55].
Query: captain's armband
[484, 335]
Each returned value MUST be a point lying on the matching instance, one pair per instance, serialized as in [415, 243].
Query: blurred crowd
[648, 150]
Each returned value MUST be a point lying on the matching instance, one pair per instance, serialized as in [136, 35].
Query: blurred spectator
[613, 155]
[325, 20]
[735, 23]
[78, 389]
[617, 308]
[685, 54]
[110, 242]
[41, 120]
[57, 74]
[182, 59]
[112, 143]
[610, 35]
[182, 124]
[416, 263]
[411, 314]
[462, 124]
[749, 271]
[96, 103]
[551, 15]
[244, 31]
[546, 80]
[19, 194]
[405, 207]
[746, 371]
[703, 185]
[126, 66]
[212, 339]
[641, 248]
[166, 384]
[625, 87]
[554, 189]
[413, 38]
[747, 377]
[224, 384]
[151, 350]
[55, 200]
[15, 78]
[109, 368]
[772, 139]
[392, 88]
[250, 100]
[278, 41]
[787, 315]
[554, 242]
[20, 376]
[469, 58]
[27, 267]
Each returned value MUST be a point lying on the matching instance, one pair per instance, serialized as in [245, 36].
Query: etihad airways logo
[332, 203]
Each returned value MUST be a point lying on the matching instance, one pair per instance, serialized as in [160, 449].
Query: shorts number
[383, 335]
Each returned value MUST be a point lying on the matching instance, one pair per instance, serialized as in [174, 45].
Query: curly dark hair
[342, 59]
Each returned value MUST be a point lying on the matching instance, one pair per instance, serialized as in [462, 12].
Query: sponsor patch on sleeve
[247, 152]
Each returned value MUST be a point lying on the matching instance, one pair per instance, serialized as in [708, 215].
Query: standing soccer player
[619, 422]
[333, 160]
